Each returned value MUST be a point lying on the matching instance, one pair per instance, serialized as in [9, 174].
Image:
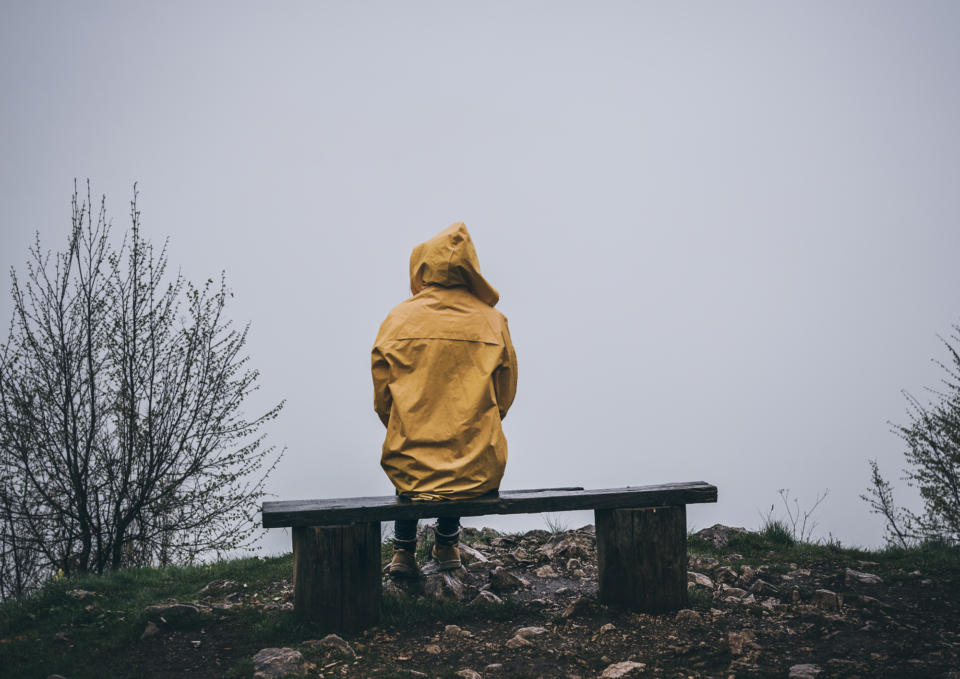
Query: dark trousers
[405, 530]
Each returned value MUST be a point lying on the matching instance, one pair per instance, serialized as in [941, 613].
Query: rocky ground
[523, 606]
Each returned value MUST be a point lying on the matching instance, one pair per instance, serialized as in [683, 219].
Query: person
[444, 377]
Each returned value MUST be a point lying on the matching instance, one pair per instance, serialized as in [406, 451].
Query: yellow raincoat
[444, 376]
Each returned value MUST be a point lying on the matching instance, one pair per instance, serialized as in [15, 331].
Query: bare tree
[122, 441]
[933, 450]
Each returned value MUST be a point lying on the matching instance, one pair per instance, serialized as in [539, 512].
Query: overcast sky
[726, 235]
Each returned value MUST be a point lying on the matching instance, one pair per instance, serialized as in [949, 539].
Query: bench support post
[336, 576]
[642, 558]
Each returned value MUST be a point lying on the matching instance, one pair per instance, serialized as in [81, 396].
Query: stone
[150, 631]
[451, 631]
[579, 573]
[80, 594]
[727, 590]
[546, 572]
[272, 663]
[734, 557]
[763, 588]
[493, 666]
[863, 578]
[331, 641]
[488, 597]
[719, 535]
[747, 576]
[622, 669]
[809, 611]
[63, 639]
[171, 614]
[805, 671]
[392, 591]
[517, 642]
[442, 587]
[469, 674]
[577, 606]
[737, 644]
[566, 546]
[527, 632]
[219, 587]
[725, 574]
[703, 563]
[607, 628]
[826, 600]
[432, 649]
[574, 564]
[686, 615]
[504, 542]
[469, 555]
[501, 580]
[698, 579]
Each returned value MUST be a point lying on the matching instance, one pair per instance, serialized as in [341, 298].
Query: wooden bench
[641, 544]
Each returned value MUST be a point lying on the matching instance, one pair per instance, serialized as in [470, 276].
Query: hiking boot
[445, 551]
[404, 563]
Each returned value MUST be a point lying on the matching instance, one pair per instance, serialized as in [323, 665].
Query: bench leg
[336, 576]
[642, 558]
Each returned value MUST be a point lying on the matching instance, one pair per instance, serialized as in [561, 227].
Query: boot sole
[449, 565]
[403, 570]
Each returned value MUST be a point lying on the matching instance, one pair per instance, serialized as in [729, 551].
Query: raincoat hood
[449, 260]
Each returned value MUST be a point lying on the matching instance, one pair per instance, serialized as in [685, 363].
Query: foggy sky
[725, 234]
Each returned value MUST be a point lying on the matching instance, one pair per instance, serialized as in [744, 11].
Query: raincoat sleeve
[382, 398]
[505, 377]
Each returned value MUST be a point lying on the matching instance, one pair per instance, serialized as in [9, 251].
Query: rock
[392, 591]
[150, 631]
[574, 564]
[451, 631]
[725, 574]
[271, 663]
[734, 557]
[219, 587]
[702, 563]
[579, 574]
[546, 572]
[469, 674]
[739, 644]
[527, 632]
[577, 606]
[826, 600]
[469, 555]
[607, 628]
[557, 546]
[493, 666]
[502, 580]
[442, 587]
[864, 578]
[870, 601]
[727, 590]
[762, 588]
[517, 642]
[805, 671]
[432, 649]
[622, 669]
[504, 542]
[63, 639]
[80, 594]
[686, 615]
[747, 576]
[698, 579]
[809, 611]
[171, 614]
[719, 535]
[489, 597]
[331, 641]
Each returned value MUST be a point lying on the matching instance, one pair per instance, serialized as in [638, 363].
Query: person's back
[445, 374]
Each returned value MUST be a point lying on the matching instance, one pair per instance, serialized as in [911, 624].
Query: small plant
[556, 523]
[776, 530]
[804, 533]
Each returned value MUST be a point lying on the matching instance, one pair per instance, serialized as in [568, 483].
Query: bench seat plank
[341, 511]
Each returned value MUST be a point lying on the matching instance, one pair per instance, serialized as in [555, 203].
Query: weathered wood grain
[642, 558]
[341, 511]
[336, 576]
